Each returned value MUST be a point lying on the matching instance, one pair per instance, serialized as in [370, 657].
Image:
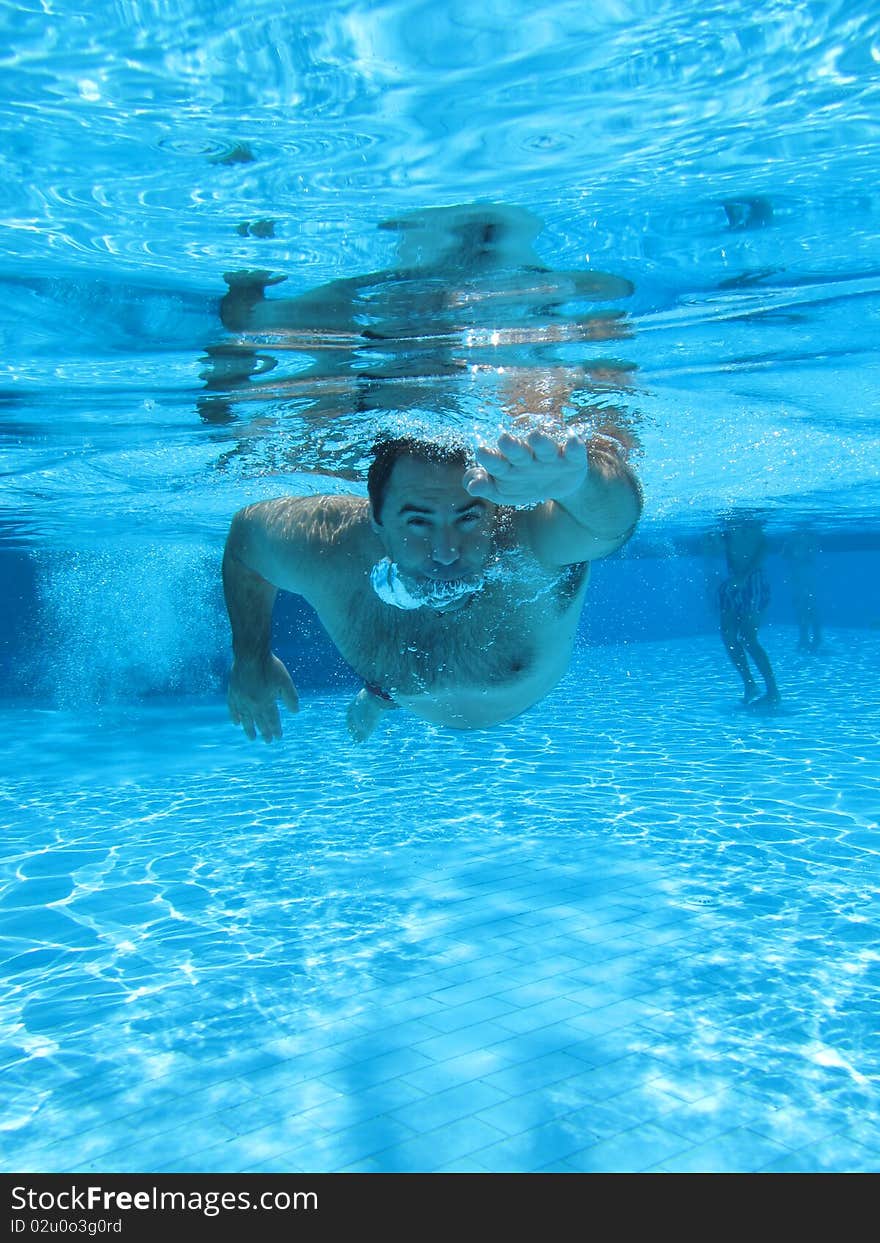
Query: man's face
[431, 526]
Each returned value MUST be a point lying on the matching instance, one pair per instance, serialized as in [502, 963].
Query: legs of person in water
[748, 630]
[736, 651]
[810, 632]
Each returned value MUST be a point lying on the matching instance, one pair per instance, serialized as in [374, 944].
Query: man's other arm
[271, 545]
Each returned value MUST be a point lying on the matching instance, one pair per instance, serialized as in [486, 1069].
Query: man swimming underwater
[453, 590]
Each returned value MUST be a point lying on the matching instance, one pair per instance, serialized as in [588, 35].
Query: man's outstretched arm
[583, 499]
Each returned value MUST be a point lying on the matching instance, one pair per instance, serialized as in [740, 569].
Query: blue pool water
[638, 928]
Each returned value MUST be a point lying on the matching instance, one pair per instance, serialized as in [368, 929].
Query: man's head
[428, 523]
[388, 450]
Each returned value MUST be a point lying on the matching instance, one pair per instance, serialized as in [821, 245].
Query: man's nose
[445, 550]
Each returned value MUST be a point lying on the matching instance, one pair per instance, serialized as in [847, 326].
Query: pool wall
[96, 627]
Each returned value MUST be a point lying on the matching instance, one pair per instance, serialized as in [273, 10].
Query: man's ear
[376, 525]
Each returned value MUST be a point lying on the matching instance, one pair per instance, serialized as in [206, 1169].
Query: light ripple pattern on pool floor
[635, 929]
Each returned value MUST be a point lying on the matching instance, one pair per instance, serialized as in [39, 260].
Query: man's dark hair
[387, 450]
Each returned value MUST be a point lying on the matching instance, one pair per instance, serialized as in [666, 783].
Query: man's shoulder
[317, 523]
[327, 519]
[329, 505]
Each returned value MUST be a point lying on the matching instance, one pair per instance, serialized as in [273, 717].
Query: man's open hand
[528, 470]
[254, 688]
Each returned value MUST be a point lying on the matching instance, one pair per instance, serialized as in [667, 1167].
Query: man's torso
[482, 663]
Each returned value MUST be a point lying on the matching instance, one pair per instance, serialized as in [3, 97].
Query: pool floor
[636, 930]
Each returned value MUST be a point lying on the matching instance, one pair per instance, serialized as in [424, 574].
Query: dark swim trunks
[372, 689]
[747, 598]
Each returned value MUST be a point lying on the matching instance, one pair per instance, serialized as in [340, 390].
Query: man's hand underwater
[528, 470]
[254, 688]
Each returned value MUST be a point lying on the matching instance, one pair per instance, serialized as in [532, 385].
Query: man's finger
[544, 447]
[478, 483]
[515, 450]
[289, 697]
[495, 463]
[269, 722]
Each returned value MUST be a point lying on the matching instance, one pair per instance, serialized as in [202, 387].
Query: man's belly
[479, 707]
[476, 669]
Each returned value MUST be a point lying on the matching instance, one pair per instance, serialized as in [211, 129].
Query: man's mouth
[426, 590]
[440, 585]
[437, 576]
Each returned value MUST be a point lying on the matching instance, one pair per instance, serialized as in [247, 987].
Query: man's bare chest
[502, 635]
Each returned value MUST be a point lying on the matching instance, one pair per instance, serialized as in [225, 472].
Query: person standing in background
[743, 598]
[800, 551]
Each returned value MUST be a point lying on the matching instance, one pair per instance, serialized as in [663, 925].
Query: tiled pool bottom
[637, 930]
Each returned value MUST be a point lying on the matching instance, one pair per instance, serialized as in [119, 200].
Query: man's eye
[417, 522]
[471, 519]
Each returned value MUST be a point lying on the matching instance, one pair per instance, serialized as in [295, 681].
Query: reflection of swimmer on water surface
[467, 294]
[453, 264]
